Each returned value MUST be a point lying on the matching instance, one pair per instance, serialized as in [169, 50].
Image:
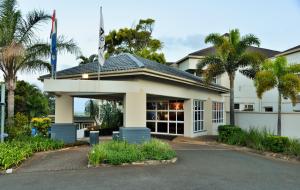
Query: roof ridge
[133, 58]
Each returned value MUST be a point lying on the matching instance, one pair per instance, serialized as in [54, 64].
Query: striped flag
[53, 37]
[101, 43]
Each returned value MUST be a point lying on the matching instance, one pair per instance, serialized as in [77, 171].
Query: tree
[30, 101]
[230, 56]
[108, 115]
[278, 74]
[136, 40]
[92, 109]
[84, 60]
[20, 50]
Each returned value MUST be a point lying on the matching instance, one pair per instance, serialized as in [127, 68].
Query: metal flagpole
[101, 44]
[2, 111]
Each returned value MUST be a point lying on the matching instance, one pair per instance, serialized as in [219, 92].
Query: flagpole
[100, 25]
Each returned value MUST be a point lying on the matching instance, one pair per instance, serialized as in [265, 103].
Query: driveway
[198, 167]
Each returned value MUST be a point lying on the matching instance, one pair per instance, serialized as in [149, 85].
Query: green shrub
[226, 132]
[293, 148]
[118, 152]
[20, 128]
[41, 124]
[15, 151]
[276, 143]
[255, 139]
[157, 150]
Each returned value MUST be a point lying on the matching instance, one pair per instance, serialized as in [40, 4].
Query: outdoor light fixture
[85, 76]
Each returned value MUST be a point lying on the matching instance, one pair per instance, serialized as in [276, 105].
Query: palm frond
[264, 81]
[27, 28]
[246, 41]
[35, 65]
[212, 71]
[214, 38]
[206, 61]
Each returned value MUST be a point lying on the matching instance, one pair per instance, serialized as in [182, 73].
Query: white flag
[101, 40]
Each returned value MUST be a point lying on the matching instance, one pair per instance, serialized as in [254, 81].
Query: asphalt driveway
[198, 167]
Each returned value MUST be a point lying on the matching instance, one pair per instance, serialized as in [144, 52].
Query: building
[245, 91]
[164, 99]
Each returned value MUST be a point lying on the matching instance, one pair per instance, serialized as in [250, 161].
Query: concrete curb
[142, 163]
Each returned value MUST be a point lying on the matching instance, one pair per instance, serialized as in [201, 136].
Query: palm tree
[20, 50]
[84, 60]
[92, 109]
[230, 56]
[278, 74]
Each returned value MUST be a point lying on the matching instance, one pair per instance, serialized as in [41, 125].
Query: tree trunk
[279, 115]
[10, 84]
[231, 80]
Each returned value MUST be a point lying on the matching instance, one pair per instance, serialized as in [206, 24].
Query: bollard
[94, 137]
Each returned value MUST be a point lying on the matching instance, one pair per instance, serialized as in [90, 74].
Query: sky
[180, 25]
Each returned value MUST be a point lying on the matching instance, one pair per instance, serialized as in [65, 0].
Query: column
[208, 116]
[64, 107]
[135, 109]
[188, 118]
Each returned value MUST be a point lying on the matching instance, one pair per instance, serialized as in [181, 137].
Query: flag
[101, 43]
[53, 37]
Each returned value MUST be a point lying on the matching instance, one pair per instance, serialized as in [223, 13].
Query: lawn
[119, 152]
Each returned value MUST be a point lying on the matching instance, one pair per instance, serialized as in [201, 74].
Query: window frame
[217, 114]
[198, 111]
[168, 121]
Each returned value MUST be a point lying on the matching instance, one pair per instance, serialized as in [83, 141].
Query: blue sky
[180, 25]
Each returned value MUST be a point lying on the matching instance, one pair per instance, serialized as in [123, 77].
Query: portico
[155, 96]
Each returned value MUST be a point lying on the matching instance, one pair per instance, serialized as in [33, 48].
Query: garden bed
[13, 152]
[260, 142]
[122, 153]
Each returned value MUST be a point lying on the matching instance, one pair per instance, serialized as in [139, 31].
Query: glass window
[166, 116]
[162, 127]
[151, 115]
[151, 105]
[151, 126]
[176, 105]
[172, 128]
[218, 112]
[162, 106]
[198, 115]
[180, 116]
[172, 116]
[162, 116]
[180, 128]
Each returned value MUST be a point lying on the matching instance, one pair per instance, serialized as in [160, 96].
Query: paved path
[66, 159]
[198, 167]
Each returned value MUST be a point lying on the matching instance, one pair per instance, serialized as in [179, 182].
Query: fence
[263, 120]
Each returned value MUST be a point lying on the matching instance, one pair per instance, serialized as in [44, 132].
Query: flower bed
[14, 152]
[121, 152]
[258, 140]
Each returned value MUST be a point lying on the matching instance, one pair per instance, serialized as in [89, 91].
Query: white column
[208, 116]
[64, 107]
[188, 118]
[135, 109]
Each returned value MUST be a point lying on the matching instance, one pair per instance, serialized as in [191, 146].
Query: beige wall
[64, 109]
[135, 99]
[135, 109]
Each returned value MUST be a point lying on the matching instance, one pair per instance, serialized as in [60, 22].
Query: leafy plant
[276, 143]
[20, 127]
[282, 76]
[42, 125]
[118, 152]
[231, 56]
[14, 152]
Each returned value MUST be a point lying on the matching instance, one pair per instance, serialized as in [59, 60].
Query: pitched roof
[128, 62]
[211, 50]
[291, 50]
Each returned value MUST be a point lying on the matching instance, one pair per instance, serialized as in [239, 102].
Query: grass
[14, 152]
[119, 152]
[260, 140]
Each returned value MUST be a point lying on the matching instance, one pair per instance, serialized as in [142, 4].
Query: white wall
[245, 91]
[290, 122]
